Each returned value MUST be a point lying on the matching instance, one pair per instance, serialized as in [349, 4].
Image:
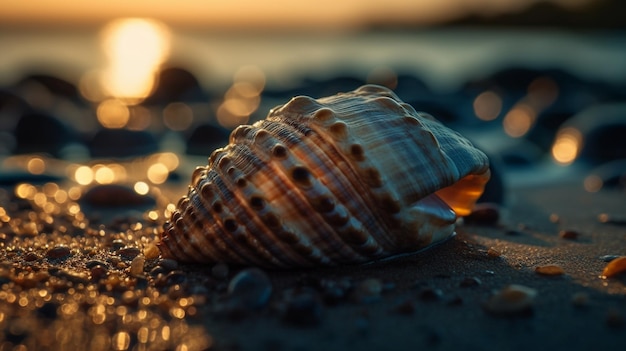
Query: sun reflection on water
[134, 49]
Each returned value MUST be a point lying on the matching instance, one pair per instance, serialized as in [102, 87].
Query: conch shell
[345, 179]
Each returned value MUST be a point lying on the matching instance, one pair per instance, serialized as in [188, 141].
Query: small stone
[128, 253]
[549, 270]
[512, 300]
[615, 267]
[59, 252]
[117, 244]
[98, 272]
[368, 290]
[92, 263]
[493, 253]
[31, 256]
[569, 234]
[220, 271]
[430, 294]
[151, 252]
[303, 308]
[136, 266]
[168, 264]
[251, 289]
[470, 282]
[484, 214]
[580, 299]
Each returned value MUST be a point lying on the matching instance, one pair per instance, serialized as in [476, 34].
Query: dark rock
[114, 195]
[484, 214]
[251, 289]
[122, 143]
[40, 132]
[59, 252]
[206, 138]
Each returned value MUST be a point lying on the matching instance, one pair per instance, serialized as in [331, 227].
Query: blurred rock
[122, 143]
[113, 195]
[206, 138]
[53, 84]
[176, 84]
[40, 132]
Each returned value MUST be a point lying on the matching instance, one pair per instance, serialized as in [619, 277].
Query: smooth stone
[250, 289]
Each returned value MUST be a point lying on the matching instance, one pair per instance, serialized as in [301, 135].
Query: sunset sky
[252, 13]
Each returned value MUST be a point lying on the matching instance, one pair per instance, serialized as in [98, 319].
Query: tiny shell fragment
[511, 300]
[549, 269]
[615, 267]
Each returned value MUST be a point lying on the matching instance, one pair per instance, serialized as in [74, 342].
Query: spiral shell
[349, 178]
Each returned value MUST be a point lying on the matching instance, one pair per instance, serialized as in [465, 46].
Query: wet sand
[110, 290]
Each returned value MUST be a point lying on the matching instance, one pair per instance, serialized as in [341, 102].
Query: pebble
[615, 267]
[470, 282]
[151, 252]
[128, 253]
[303, 308]
[484, 214]
[250, 289]
[115, 195]
[549, 270]
[136, 266]
[168, 264]
[98, 272]
[569, 234]
[430, 294]
[512, 300]
[493, 253]
[31, 256]
[59, 252]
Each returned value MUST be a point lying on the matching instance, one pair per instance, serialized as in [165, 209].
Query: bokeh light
[567, 145]
[134, 48]
[518, 121]
[36, 165]
[487, 106]
[113, 113]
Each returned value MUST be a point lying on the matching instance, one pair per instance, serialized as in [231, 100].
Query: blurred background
[139, 92]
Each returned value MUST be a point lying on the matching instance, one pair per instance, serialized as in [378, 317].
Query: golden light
[157, 173]
[177, 116]
[83, 175]
[487, 106]
[252, 75]
[103, 174]
[36, 165]
[113, 113]
[134, 48]
[141, 188]
[140, 118]
[567, 145]
[518, 120]
[169, 159]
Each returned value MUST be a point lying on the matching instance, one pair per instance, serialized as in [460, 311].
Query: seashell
[345, 179]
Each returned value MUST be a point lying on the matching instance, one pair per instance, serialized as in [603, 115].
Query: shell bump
[344, 179]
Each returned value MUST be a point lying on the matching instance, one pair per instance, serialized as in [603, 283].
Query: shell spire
[348, 178]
